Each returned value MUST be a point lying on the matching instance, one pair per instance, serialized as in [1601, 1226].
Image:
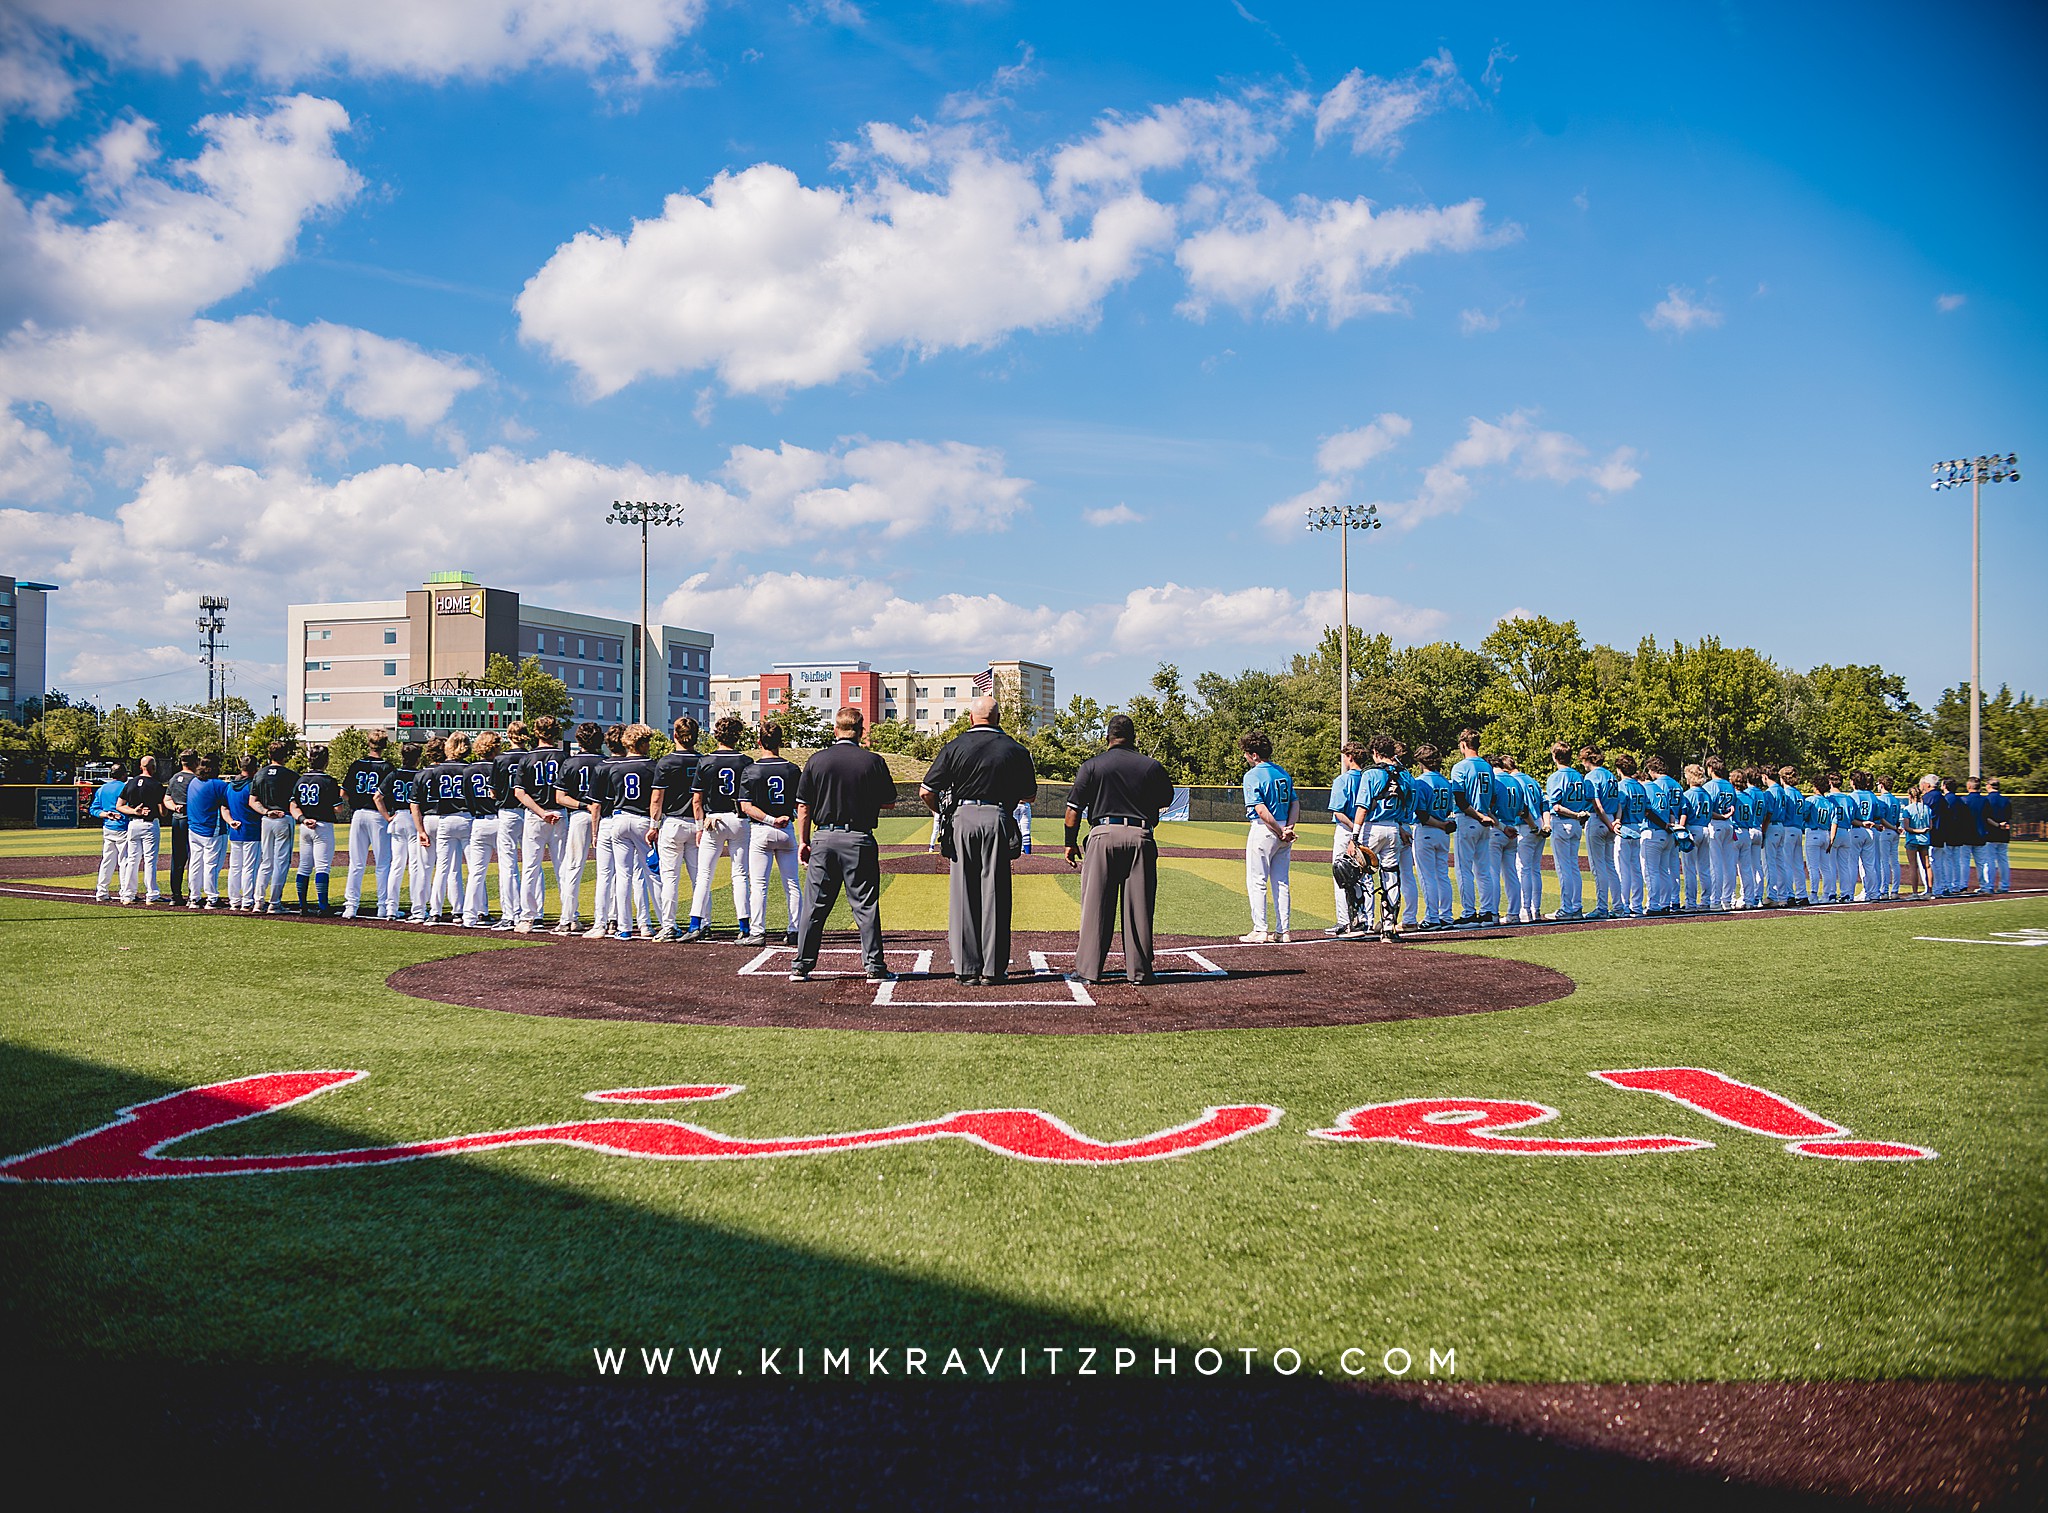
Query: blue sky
[981, 330]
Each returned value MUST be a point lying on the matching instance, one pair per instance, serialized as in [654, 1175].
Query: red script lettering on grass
[1759, 1112]
[130, 1148]
[1472, 1124]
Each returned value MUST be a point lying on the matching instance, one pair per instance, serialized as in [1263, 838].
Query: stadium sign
[449, 706]
[131, 1147]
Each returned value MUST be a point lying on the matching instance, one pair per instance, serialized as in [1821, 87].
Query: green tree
[350, 746]
[272, 727]
[1843, 716]
[70, 734]
[1166, 724]
[898, 738]
[805, 726]
[1444, 683]
[540, 691]
[1060, 745]
[1542, 689]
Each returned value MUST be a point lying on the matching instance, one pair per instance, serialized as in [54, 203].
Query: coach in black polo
[1121, 790]
[840, 796]
[989, 775]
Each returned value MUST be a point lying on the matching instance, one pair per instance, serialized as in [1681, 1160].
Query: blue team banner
[1178, 809]
[56, 808]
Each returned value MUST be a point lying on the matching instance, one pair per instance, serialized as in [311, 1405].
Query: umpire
[1121, 790]
[988, 775]
[841, 795]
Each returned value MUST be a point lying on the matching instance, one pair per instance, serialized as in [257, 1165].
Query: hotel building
[347, 662]
[928, 702]
[24, 643]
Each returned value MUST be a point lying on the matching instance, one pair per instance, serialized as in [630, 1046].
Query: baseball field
[1711, 1209]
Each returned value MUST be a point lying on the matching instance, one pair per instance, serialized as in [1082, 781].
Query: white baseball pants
[1433, 873]
[622, 861]
[772, 847]
[479, 851]
[577, 845]
[1266, 860]
[1600, 856]
[676, 848]
[1565, 834]
[540, 846]
[1472, 848]
[721, 835]
[369, 840]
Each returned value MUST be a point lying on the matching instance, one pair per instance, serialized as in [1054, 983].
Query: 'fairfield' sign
[131, 1148]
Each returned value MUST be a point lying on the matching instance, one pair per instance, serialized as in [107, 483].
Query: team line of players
[430, 827]
[1721, 840]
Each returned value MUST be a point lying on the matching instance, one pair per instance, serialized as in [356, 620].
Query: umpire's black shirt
[846, 784]
[985, 764]
[1121, 781]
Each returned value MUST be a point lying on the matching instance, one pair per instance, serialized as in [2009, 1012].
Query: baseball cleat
[692, 937]
[756, 939]
[524, 927]
[883, 974]
[799, 973]
[597, 931]
[1255, 938]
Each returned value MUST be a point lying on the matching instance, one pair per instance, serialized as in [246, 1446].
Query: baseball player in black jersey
[768, 800]
[511, 824]
[142, 800]
[408, 858]
[369, 824]
[672, 825]
[541, 824]
[579, 787]
[316, 804]
[722, 829]
[480, 787]
[630, 786]
[615, 749]
[443, 792]
[270, 795]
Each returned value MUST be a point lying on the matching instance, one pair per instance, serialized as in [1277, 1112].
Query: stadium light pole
[1976, 472]
[211, 623]
[1344, 519]
[643, 513]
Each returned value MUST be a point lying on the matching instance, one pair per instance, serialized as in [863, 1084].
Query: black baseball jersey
[536, 776]
[677, 775]
[629, 784]
[318, 797]
[718, 779]
[1122, 781]
[505, 777]
[846, 784]
[365, 779]
[273, 786]
[443, 789]
[147, 794]
[770, 785]
[581, 776]
[476, 786]
[397, 787]
[985, 764]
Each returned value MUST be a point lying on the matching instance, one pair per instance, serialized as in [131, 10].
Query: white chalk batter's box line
[1042, 971]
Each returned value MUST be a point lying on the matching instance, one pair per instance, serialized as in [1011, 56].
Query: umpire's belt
[848, 829]
[1119, 819]
[986, 803]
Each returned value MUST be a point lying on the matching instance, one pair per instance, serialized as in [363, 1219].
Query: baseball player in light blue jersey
[1571, 805]
[1818, 817]
[1529, 841]
[1631, 800]
[1748, 846]
[1721, 833]
[1435, 802]
[105, 806]
[1601, 830]
[1472, 792]
[1379, 816]
[1998, 820]
[1344, 818]
[1786, 840]
[1664, 817]
[1411, 896]
[1916, 829]
[1696, 867]
[1272, 808]
[1864, 838]
[1509, 802]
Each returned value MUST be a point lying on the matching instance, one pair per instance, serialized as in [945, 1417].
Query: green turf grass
[1735, 1262]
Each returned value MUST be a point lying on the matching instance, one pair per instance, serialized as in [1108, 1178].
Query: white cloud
[254, 387]
[1325, 258]
[33, 79]
[1348, 451]
[162, 251]
[777, 285]
[33, 468]
[1679, 312]
[1225, 140]
[1948, 304]
[895, 487]
[1115, 514]
[1472, 322]
[1375, 112]
[288, 39]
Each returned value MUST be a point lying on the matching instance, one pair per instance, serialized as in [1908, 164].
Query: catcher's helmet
[1682, 840]
[1346, 870]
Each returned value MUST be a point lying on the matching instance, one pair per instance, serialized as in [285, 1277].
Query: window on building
[561, 646]
[320, 635]
[952, 694]
[756, 695]
[580, 651]
[923, 692]
[319, 667]
[774, 696]
[951, 716]
[390, 636]
[924, 714]
[579, 677]
[6, 646]
[391, 701]
[390, 669]
[853, 695]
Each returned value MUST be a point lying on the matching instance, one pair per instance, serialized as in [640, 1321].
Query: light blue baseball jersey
[1269, 785]
[1568, 789]
[1745, 809]
[1434, 795]
[1791, 807]
[1473, 779]
[1379, 796]
[1344, 793]
[1721, 798]
[203, 801]
[1404, 807]
[1606, 789]
[1699, 807]
[1865, 802]
[1536, 806]
[1666, 799]
[1635, 802]
[1507, 799]
[1917, 820]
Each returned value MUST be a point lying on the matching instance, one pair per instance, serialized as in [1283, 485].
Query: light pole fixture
[1344, 519]
[643, 513]
[1976, 472]
[211, 622]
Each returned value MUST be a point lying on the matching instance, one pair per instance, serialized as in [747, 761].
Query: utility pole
[1344, 519]
[1976, 472]
[211, 622]
[643, 513]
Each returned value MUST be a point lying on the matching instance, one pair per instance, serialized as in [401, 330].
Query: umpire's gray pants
[978, 901]
[842, 858]
[1118, 859]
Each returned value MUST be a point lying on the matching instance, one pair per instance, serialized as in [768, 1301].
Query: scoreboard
[446, 707]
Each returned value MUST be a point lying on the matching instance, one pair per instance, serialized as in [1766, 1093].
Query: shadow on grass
[216, 1332]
